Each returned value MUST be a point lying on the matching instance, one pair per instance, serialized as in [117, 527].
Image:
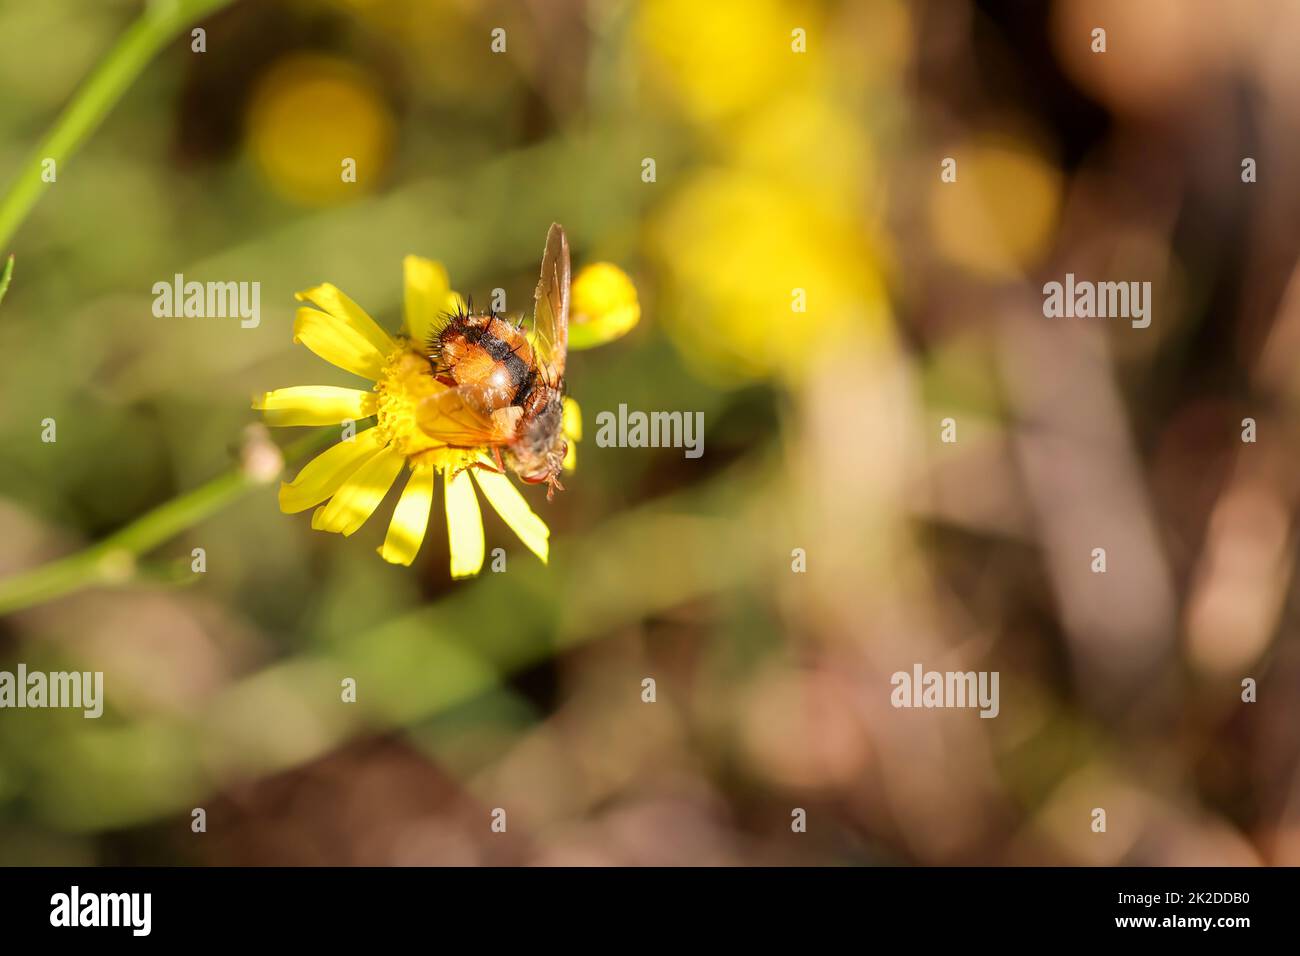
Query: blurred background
[775, 170]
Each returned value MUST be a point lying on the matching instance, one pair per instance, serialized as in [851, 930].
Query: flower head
[346, 483]
[604, 305]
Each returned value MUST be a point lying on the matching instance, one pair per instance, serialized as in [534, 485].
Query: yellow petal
[410, 519]
[324, 474]
[315, 405]
[360, 495]
[572, 427]
[572, 422]
[331, 299]
[338, 343]
[426, 285]
[464, 525]
[603, 306]
[514, 510]
[455, 303]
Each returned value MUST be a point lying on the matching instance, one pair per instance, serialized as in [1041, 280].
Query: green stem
[113, 560]
[5, 275]
[98, 94]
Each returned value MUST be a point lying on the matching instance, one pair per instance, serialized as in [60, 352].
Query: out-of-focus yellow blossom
[740, 252]
[603, 306]
[785, 143]
[410, 29]
[997, 219]
[346, 483]
[722, 57]
[770, 253]
[309, 115]
[877, 41]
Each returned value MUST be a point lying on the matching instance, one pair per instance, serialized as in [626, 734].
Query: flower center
[408, 380]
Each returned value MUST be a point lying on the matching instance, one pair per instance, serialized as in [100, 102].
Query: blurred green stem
[113, 560]
[5, 275]
[98, 94]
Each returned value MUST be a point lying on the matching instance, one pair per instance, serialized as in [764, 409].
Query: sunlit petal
[338, 343]
[315, 405]
[572, 421]
[410, 519]
[572, 427]
[360, 495]
[464, 525]
[426, 289]
[324, 474]
[332, 300]
[514, 510]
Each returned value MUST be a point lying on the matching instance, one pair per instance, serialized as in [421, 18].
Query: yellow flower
[318, 130]
[679, 44]
[602, 306]
[743, 253]
[1001, 223]
[346, 483]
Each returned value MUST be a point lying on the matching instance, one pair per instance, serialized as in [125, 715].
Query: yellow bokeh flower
[346, 483]
[998, 219]
[759, 277]
[723, 58]
[602, 306]
[318, 130]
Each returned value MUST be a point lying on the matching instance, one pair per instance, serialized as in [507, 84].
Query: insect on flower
[456, 393]
[505, 387]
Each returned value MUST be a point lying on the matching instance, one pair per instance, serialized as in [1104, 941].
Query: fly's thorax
[484, 350]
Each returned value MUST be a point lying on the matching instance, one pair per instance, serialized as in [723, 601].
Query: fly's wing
[550, 338]
[462, 417]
